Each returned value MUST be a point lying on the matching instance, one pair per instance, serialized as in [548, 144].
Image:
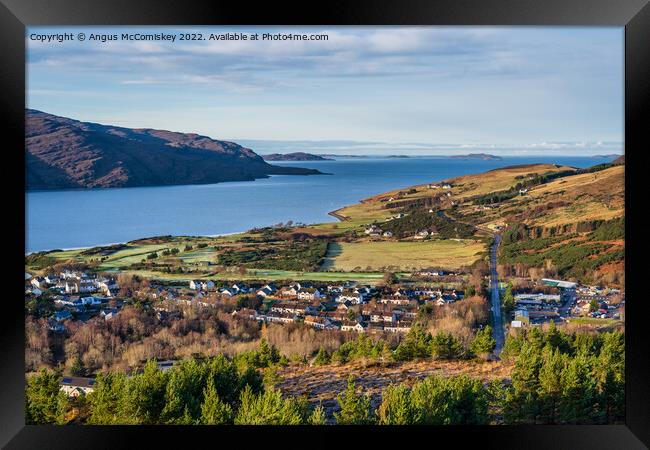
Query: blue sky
[407, 90]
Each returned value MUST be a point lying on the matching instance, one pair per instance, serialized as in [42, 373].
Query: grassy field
[269, 275]
[449, 254]
[594, 321]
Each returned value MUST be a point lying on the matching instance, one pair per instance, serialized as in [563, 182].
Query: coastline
[338, 216]
[124, 243]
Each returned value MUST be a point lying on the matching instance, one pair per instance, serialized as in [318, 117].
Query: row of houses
[331, 320]
[352, 293]
[72, 282]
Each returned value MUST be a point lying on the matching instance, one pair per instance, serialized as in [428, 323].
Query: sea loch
[84, 218]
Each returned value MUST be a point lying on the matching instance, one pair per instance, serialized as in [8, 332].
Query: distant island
[611, 155]
[332, 155]
[398, 156]
[295, 156]
[63, 153]
[482, 156]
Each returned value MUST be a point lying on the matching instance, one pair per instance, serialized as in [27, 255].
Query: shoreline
[126, 242]
[338, 216]
[335, 213]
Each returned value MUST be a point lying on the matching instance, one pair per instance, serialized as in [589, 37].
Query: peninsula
[63, 153]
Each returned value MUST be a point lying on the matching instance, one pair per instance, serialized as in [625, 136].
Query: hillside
[63, 153]
[557, 220]
[296, 156]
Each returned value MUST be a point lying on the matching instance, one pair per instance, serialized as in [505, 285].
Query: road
[497, 316]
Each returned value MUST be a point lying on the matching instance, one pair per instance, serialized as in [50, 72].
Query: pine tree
[317, 416]
[446, 346]
[267, 354]
[355, 408]
[522, 403]
[508, 300]
[449, 401]
[610, 377]
[78, 369]
[269, 408]
[557, 339]
[322, 357]
[396, 407]
[184, 391]
[550, 382]
[483, 342]
[213, 410]
[105, 401]
[45, 403]
[578, 395]
[271, 378]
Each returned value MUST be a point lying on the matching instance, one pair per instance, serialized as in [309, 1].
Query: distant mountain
[296, 156]
[63, 153]
[620, 160]
[483, 156]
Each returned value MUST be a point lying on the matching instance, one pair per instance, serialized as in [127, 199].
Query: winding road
[497, 316]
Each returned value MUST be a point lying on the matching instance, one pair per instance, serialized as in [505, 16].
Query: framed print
[388, 220]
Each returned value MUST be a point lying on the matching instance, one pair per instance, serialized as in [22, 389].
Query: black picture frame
[634, 15]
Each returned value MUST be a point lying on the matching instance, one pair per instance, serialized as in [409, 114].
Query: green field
[269, 275]
[594, 321]
[405, 255]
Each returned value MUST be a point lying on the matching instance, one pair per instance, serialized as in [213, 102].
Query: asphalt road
[497, 316]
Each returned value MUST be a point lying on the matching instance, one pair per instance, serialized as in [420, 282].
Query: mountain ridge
[64, 153]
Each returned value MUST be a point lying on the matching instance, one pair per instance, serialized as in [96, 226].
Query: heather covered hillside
[63, 153]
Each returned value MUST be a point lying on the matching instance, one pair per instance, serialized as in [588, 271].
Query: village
[570, 301]
[346, 307]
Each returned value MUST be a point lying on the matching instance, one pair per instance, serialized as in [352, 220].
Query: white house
[60, 316]
[34, 291]
[320, 323]
[80, 285]
[355, 298]
[91, 301]
[309, 294]
[109, 313]
[240, 287]
[372, 229]
[207, 285]
[51, 279]
[76, 386]
[357, 326]
[398, 327]
[38, 282]
[267, 290]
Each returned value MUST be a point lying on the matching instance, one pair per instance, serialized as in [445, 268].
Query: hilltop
[63, 153]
